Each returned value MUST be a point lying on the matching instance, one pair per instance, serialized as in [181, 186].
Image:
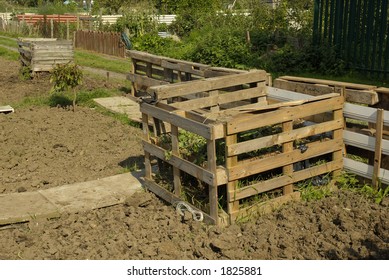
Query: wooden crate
[43, 54]
[254, 145]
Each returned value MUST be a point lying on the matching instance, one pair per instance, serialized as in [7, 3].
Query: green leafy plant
[65, 77]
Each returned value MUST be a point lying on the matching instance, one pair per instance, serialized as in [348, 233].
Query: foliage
[138, 23]
[66, 76]
[56, 7]
[192, 15]
[25, 73]
[90, 59]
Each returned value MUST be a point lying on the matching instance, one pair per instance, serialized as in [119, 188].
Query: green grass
[8, 54]
[8, 42]
[89, 59]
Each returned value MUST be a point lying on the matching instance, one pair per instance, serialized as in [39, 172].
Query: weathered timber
[42, 55]
[357, 93]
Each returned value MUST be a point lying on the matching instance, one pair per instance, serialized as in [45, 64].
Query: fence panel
[102, 42]
[359, 31]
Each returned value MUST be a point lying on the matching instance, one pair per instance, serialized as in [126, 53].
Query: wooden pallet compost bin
[151, 70]
[43, 54]
[253, 146]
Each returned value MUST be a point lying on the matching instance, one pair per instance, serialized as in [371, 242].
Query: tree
[65, 77]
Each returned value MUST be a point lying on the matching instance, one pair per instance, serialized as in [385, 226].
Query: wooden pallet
[225, 109]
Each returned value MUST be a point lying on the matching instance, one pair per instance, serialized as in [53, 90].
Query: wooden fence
[102, 42]
[358, 30]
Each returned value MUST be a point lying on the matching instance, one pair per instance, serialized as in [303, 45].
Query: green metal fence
[358, 30]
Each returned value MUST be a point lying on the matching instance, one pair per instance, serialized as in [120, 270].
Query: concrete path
[73, 198]
[121, 104]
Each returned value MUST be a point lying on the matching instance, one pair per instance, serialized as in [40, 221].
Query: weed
[25, 73]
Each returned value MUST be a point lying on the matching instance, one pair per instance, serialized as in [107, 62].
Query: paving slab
[93, 194]
[122, 105]
[72, 198]
[23, 207]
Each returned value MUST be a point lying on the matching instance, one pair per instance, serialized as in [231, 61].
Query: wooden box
[43, 54]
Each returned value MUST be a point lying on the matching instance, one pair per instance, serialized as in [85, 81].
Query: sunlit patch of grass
[8, 54]
[90, 59]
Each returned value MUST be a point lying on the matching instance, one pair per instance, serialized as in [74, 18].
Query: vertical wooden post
[215, 108]
[287, 147]
[378, 148]
[146, 137]
[67, 30]
[133, 71]
[231, 161]
[213, 192]
[338, 134]
[176, 152]
[52, 28]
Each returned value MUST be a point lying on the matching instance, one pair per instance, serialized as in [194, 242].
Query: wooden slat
[283, 180]
[251, 167]
[144, 81]
[146, 57]
[182, 164]
[182, 89]
[222, 98]
[173, 199]
[327, 82]
[174, 119]
[246, 122]
[283, 137]
[264, 207]
[378, 147]
[354, 92]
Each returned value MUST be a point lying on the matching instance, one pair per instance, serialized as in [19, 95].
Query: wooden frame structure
[152, 70]
[224, 109]
[43, 54]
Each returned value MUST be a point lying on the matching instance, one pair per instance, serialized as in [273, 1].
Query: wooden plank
[248, 121]
[364, 96]
[223, 98]
[378, 148]
[176, 152]
[251, 167]
[182, 164]
[263, 106]
[264, 207]
[213, 190]
[283, 180]
[365, 170]
[382, 90]
[231, 162]
[144, 81]
[174, 119]
[146, 137]
[287, 147]
[182, 89]
[181, 67]
[146, 57]
[328, 82]
[173, 199]
[283, 137]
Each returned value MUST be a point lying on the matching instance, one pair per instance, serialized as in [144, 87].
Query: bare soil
[45, 147]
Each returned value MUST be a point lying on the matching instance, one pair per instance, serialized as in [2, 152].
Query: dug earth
[44, 147]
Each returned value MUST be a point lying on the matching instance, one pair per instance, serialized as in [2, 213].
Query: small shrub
[65, 77]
